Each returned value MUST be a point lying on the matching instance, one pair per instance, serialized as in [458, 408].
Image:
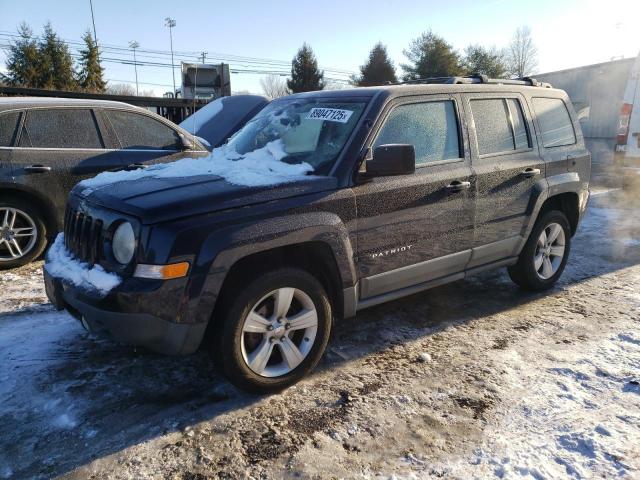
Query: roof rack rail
[477, 78]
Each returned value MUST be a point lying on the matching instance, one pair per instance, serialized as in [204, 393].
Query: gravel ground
[474, 379]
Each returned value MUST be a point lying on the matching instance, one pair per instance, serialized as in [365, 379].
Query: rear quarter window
[555, 123]
[8, 128]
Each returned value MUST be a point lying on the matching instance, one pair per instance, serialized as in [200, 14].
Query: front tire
[22, 233]
[545, 254]
[275, 330]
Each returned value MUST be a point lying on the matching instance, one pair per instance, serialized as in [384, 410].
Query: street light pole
[170, 23]
[93, 20]
[133, 45]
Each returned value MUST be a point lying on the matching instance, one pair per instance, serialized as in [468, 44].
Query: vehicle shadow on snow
[119, 396]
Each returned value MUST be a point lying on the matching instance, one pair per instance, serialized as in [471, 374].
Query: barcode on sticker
[330, 114]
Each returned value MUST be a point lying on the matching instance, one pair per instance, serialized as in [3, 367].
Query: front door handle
[530, 172]
[37, 169]
[458, 186]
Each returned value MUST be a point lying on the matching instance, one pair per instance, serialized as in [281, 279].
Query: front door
[416, 228]
[508, 168]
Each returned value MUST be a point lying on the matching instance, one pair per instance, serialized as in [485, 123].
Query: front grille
[83, 236]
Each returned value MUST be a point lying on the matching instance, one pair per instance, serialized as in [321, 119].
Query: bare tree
[274, 86]
[522, 54]
[120, 89]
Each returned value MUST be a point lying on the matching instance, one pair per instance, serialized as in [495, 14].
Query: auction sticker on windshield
[330, 114]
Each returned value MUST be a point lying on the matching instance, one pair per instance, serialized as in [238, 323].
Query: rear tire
[275, 330]
[545, 254]
[22, 233]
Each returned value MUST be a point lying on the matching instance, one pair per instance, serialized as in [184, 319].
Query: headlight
[124, 243]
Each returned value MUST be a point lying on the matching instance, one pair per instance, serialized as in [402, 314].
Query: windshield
[311, 131]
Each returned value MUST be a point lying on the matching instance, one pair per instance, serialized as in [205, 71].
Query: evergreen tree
[56, 67]
[490, 62]
[305, 76]
[90, 74]
[431, 56]
[23, 61]
[378, 70]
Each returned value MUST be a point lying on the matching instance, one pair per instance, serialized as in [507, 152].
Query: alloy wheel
[279, 332]
[549, 251]
[18, 234]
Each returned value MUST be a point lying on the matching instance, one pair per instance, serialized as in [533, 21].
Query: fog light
[162, 272]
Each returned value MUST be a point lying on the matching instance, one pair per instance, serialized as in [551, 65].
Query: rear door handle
[37, 169]
[530, 172]
[458, 186]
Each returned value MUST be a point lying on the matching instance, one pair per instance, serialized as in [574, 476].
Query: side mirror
[392, 159]
[186, 142]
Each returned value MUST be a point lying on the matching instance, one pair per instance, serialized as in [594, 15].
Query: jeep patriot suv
[323, 204]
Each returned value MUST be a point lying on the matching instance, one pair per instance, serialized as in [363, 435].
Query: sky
[567, 33]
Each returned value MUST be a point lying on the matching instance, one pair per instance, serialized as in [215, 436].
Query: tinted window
[431, 127]
[60, 128]
[519, 124]
[492, 126]
[8, 127]
[137, 131]
[555, 123]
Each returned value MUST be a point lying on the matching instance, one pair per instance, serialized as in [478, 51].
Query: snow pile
[61, 264]
[256, 168]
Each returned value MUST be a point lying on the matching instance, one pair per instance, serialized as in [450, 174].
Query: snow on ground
[61, 264]
[475, 379]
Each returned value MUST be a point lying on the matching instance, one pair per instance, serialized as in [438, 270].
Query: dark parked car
[48, 145]
[412, 186]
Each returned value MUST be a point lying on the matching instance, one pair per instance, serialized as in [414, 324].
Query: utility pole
[204, 56]
[93, 20]
[133, 45]
[170, 23]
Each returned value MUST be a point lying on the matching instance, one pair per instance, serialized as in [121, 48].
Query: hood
[221, 118]
[155, 200]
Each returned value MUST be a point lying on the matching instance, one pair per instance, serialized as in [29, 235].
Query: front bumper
[109, 314]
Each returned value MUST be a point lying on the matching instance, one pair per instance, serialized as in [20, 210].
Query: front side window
[141, 132]
[555, 122]
[431, 127]
[60, 128]
[308, 130]
[8, 126]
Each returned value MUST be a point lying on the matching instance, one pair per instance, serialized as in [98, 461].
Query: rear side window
[431, 127]
[140, 132]
[500, 125]
[555, 122]
[8, 126]
[60, 128]
[521, 137]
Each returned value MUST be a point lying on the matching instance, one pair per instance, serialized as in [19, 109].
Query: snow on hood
[259, 167]
[61, 264]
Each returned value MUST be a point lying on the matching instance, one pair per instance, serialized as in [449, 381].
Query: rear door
[416, 228]
[142, 139]
[507, 166]
[9, 123]
[58, 147]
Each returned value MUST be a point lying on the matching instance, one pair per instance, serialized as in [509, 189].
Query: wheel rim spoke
[283, 298]
[547, 268]
[258, 359]
[256, 323]
[303, 320]
[554, 231]
[557, 251]
[5, 220]
[23, 232]
[290, 352]
[542, 240]
[537, 261]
